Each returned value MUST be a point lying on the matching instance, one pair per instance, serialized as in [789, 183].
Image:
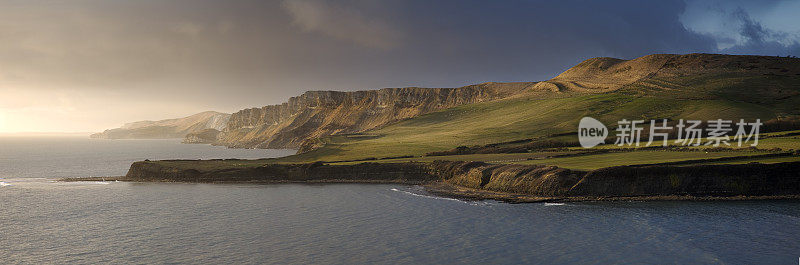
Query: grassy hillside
[679, 87]
[538, 126]
[517, 119]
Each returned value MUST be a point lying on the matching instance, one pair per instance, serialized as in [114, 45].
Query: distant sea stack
[170, 128]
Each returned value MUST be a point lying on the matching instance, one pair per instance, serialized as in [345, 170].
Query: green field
[515, 119]
[589, 162]
[540, 117]
[766, 141]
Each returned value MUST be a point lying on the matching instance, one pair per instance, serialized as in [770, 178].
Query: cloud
[760, 40]
[155, 59]
[750, 29]
[343, 22]
[745, 27]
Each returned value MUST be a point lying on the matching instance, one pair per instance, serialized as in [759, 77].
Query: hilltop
[605, 74]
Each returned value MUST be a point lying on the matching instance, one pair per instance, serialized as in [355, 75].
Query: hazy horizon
[89, 65]
[45, 134]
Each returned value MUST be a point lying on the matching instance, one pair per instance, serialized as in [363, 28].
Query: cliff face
[170, 128]
[543, 181]
[538, 180]
[321, 113]
[301, 120]
[154, 171]
[206, 136]
[625, 181]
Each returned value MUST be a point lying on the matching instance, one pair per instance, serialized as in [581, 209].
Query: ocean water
[78, 156]
[43, 221]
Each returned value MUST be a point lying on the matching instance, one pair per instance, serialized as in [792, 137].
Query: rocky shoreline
[508, 182]
[452, 191]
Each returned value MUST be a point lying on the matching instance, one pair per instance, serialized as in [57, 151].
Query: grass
[765, 142]
[704, 97]
[756, 160]
[216, 164]
[568, 159]
[515, 119]
[590, 162]
[489, 158]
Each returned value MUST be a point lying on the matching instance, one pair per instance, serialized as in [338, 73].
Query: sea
[44, 221]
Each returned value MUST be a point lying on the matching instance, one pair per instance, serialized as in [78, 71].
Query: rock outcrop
[540, 181]
[626, 181]
[320, 113]
[156, 171]
[206, 136]
[166, 129]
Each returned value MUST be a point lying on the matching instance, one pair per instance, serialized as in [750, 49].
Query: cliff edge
[509, 182]
[321, 113]
[166, 129]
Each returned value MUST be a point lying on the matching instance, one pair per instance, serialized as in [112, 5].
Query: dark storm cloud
[447, 43]
[759, 40]
[299, 45]
[155, 59]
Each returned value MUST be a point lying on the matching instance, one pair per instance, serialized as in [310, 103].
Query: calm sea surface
[42, 221]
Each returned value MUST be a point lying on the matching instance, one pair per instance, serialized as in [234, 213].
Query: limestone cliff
[321, 113]
[170, 128]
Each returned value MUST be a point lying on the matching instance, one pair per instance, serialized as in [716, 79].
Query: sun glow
[3, 122]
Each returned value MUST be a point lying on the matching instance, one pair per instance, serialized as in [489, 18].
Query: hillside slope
[694, 86]
[316, 114]
[170, 128]
[605, 74]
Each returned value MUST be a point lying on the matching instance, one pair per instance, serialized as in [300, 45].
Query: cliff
[506, 181]
[205, 136]
[298, 123]
[321, 113]
[170, 128]
[156, 171]
[626, 181]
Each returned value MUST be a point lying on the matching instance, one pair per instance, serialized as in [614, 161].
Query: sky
[90, 65]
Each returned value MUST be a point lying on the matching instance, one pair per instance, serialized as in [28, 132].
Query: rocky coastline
[509, 182]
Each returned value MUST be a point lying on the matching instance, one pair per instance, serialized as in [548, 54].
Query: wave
[554, 204]
[428, 196]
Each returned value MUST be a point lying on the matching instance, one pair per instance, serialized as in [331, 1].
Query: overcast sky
[79, 65]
